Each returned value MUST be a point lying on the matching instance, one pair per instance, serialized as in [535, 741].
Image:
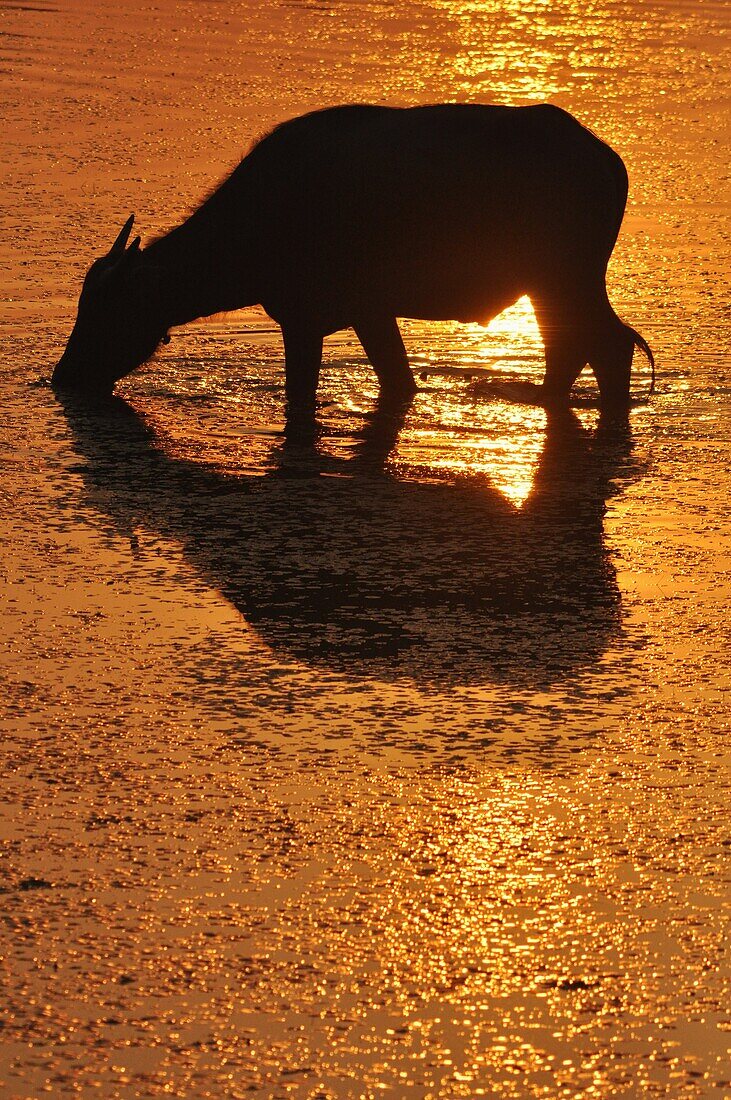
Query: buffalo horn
[123, 237]
[128, 256]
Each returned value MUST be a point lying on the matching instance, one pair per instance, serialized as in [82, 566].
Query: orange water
[393, 767]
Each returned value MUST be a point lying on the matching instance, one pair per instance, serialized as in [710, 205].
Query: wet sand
[396, 766]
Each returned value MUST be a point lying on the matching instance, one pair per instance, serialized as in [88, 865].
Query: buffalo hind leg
[564, 364]
[386, 353]
[611, 361]
[302, 360]
[581, 327]
[563, 333]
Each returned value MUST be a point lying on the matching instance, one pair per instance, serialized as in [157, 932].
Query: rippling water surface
[397, 765]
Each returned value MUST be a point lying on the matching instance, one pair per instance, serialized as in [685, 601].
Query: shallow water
[397, 765]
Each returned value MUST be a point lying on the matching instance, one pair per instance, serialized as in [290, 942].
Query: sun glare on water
[479, 434]
[514, 328]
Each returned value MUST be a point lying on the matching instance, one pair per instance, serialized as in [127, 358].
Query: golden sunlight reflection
[386, 760]
[483, 63]
[515, 328]
[487, 923]
[508, 453]
[484, 436]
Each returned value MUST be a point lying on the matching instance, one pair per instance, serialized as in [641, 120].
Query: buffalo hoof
[301, 427]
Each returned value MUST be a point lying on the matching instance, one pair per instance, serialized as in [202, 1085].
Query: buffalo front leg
[302, 359]
[386, 353]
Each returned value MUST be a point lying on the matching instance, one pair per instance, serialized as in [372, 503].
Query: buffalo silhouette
[357, 215]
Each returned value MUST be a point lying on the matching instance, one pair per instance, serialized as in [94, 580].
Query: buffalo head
[118, 324]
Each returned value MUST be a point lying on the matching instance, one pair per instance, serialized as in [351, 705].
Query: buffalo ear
[121, 241]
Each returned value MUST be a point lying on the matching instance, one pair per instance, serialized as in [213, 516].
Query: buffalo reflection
[375, 574]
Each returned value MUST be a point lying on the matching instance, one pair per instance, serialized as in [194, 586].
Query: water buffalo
[358, 215]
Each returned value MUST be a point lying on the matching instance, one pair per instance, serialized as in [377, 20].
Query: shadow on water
[371, 574]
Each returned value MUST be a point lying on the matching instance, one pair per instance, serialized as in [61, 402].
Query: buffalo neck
[202, 266]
